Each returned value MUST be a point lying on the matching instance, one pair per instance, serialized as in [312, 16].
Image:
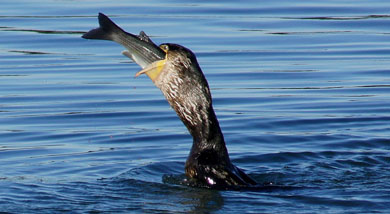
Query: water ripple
[301, 91]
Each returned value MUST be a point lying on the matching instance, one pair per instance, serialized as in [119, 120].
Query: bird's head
[179, 62]
[179, 74]
[182, 82]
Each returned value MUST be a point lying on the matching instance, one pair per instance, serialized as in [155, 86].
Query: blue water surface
[301, 90]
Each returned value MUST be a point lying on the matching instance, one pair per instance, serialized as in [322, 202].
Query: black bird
[175, 70]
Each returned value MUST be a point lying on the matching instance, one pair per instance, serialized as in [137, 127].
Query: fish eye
[165, 48]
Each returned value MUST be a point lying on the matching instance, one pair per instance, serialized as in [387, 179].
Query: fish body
[140, 49]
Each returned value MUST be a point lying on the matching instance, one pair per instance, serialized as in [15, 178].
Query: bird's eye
[165, 48]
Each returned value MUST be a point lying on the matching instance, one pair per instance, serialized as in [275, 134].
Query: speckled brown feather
[186, 89]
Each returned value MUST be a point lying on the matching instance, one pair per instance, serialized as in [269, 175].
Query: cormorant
[175, 71]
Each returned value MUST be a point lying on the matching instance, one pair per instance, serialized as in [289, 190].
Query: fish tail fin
[105, 31]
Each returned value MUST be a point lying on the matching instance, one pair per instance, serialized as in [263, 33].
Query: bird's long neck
[193, 104]
[186, 89]
[206, 132]
[205, 129]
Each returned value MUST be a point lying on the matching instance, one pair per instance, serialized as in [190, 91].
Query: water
[301, 90]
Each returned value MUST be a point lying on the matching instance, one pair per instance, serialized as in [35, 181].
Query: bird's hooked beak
[154, 69]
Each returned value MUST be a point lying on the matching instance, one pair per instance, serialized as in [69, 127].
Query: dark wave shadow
[42, 31]
[348, 17]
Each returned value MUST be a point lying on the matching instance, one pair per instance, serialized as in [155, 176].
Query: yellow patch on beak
[153, 70]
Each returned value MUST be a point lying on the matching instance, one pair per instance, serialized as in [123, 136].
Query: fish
[140, 48]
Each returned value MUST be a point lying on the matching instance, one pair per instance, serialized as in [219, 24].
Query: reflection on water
[301, 91]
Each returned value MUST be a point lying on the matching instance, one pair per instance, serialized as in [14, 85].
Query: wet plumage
[175, 70]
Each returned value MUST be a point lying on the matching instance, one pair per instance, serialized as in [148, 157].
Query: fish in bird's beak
[140, 49]
[154, 69]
